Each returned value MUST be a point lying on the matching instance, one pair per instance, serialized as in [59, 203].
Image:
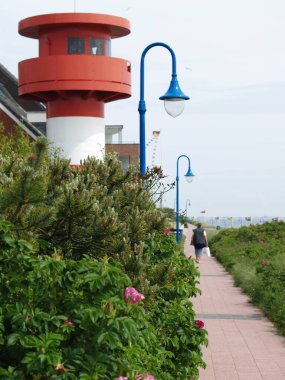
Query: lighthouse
[75, 75]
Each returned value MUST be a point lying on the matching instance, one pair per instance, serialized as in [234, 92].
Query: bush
[76, 324]
[255, 256]
[173, 279]
[73, 240]
[68, 319]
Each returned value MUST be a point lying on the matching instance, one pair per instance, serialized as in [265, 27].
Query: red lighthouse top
[75, 57]
[114, 26]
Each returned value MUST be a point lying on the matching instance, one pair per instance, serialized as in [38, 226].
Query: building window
[96, 46]
[125, 162]
[76, 45]
[108, 48]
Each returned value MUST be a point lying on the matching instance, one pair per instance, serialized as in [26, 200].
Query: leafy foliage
[173, 280]
[94, 209]
[71, 240]
[16, 143]
[76, 316]
[255, 256]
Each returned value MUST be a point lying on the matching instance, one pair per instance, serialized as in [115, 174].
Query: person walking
[199, 240]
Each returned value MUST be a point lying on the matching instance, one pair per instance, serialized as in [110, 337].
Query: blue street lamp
[189, 176]
[173, 99]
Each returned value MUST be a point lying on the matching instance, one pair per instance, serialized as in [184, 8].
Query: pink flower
[136, 297]
[264, 263]
[167, 231]
[145, 376]
[121, 378]
[128, 292]
[69, 322]
[199, 324]
[133, 295]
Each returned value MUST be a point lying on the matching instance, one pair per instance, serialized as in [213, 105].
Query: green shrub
[173, 279]
[62, 318]
[178, 334]
[245, 277]
[76, 237]
[255, 256]
[67, 319]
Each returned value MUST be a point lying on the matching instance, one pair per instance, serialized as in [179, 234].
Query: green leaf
[24, 245]
[11, 242]
[13, 339]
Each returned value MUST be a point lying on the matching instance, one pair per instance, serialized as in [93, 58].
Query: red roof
[31, 26]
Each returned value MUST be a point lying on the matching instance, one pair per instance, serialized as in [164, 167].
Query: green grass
[211, 232]
[255, 256]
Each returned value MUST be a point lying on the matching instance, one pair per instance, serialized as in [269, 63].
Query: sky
[230, 61]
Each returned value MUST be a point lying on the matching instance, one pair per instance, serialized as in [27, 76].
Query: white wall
[78, 136]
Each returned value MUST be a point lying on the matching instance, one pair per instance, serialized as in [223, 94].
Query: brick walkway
[243, 344]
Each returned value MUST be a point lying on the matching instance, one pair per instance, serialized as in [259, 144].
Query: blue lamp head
[174, 98]
[189, 175]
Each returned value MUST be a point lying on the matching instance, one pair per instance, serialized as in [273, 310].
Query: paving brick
[272, 375]
[243, 344]
[226, 375]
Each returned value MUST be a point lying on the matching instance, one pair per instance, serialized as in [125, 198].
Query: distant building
[16, 111]
[128, 152]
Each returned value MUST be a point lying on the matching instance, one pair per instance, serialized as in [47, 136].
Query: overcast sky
[230, 61]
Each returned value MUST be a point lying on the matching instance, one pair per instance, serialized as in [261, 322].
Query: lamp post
[173, 99]
[189, 176]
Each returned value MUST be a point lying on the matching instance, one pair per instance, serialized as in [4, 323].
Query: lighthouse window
[76, 45]
[108, 48]
[96, 46]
